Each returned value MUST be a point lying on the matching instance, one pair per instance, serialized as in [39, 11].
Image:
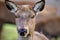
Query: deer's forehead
[24, 9]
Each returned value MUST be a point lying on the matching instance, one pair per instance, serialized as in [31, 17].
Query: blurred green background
[10, 32]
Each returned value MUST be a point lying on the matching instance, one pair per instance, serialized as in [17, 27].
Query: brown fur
[48, 21]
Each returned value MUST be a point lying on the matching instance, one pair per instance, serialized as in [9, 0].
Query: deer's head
[25, 16]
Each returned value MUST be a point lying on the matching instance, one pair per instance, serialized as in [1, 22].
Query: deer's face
[25, 20]
[25, 17]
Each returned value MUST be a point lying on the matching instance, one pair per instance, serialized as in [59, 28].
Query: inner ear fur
[11, 6]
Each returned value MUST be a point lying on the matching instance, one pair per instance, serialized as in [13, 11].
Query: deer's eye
[17, 16]
[33, 16]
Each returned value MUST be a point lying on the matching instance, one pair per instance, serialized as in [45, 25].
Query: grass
[9, 32]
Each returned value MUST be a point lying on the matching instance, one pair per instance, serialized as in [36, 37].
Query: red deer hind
[25, 19]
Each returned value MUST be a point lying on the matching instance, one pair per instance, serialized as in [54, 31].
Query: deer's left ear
[39, 6]
[11, 6]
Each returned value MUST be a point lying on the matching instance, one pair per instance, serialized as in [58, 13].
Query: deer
[25, 19]
[48, 10]
[8, 17]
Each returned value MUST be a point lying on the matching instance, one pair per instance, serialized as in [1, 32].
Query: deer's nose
[22, 32]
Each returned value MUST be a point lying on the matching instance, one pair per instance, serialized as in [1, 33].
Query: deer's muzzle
[22, 32]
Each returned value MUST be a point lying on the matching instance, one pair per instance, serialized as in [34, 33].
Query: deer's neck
[25, 38]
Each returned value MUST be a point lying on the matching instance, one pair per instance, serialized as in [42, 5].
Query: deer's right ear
[11, 6]
[39, 6]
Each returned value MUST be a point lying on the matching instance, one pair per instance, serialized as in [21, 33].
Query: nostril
[22, 32]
